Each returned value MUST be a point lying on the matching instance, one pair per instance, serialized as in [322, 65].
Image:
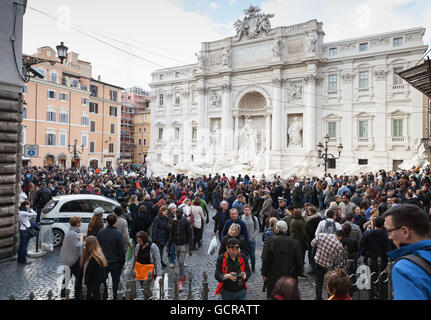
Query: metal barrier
[367, 277]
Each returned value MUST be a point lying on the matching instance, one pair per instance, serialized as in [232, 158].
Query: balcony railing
[363, 142]
[398, 87]
[398, 139]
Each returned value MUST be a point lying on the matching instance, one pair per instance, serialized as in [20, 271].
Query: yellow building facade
[142, 136]
[68, 106]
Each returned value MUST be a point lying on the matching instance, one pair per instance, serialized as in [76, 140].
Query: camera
[238, 277]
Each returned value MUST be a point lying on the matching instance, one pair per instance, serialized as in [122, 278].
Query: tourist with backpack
[329, 225]
[252, 224]
[408, 227]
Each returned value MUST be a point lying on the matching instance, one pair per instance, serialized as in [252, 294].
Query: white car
[62, 208]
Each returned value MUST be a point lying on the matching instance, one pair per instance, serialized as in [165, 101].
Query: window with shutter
[363, 129]
[332, 129]
[363, 80]
[397, 127]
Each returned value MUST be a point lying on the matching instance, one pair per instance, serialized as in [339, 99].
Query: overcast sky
[167, 33]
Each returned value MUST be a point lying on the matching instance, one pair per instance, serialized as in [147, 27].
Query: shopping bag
[214, 246]
[142, 271]
[130, 250]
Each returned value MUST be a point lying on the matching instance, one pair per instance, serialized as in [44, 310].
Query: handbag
[32, 231]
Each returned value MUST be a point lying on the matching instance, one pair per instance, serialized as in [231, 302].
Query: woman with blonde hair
[332, 206]
[93, 264]
[133, 206]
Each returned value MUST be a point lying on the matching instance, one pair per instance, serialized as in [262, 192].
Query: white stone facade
[262, 101]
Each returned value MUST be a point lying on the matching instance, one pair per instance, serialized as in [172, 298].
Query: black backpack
[44, 198]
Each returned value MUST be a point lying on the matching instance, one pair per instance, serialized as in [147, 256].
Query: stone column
[347, 125]
[379, 130]
[236, 130]
[184, 139]
[276, 115]
[268, 131]
[10, 168]
[226, 119]
[309, 118]
[202, 120]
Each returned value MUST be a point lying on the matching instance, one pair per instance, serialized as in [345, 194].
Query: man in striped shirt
[327, 245]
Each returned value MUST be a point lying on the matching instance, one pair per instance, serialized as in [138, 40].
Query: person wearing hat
[266, 208]
[282, 206]
[96, 222]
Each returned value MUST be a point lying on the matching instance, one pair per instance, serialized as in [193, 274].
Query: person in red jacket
[338, 285]
[183, 197]
[232, 183]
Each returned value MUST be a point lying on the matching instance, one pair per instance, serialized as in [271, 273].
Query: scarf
[224, 271]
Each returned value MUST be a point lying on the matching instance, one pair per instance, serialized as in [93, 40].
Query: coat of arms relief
[253, 24]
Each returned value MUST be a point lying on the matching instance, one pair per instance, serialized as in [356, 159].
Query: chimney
[99, 77]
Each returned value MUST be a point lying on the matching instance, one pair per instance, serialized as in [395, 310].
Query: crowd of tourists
[304, 223]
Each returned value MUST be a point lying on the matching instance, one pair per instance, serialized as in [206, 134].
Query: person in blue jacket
[408, 227]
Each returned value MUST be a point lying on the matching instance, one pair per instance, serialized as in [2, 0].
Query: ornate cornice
[348, 77]
[313, 79]
[202, 90]
[226, 87]
[277, 82]
[381, 74]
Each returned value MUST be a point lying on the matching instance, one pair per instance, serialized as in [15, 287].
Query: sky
[149, 35]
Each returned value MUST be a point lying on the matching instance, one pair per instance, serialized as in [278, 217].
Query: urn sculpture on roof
[253, 24]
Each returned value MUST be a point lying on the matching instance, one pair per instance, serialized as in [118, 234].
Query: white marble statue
[215, 135]
[200, 58]
[248, 147]
[277, 50]
[295, 132]
[417, 161]
[264, 23]
[226, 57]
[312, 43]
[241, 28]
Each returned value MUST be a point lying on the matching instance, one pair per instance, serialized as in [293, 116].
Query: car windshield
[49, 206]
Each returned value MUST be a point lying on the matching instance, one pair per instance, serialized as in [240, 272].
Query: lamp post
[29, 61]
[325, 155]
[74, 150]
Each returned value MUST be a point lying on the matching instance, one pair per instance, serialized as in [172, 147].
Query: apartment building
[68, 107]
[142, 135]
[135, 101]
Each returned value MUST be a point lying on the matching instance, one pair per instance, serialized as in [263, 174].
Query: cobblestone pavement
[41, 276]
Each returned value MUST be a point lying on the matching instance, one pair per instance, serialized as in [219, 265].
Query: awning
[419, 77]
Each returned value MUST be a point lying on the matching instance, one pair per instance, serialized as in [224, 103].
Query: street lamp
[62, 51]
[327, 156]
[29, 61]
[73, 150]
